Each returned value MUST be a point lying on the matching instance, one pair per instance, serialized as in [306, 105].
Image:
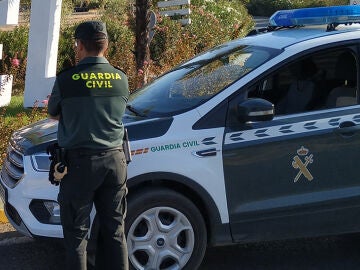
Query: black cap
[91, 30]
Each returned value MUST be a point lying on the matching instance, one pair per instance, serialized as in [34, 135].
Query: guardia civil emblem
[300, 162]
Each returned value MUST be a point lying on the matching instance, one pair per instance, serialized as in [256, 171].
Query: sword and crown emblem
[298, 163]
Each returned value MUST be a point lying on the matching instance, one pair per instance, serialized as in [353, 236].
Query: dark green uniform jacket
[90, 99]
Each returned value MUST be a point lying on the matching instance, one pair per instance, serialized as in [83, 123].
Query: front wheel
[165, 230]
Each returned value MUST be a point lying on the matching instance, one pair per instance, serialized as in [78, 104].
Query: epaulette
[119, 68]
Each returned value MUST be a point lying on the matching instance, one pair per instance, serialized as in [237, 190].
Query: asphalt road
[333, 253]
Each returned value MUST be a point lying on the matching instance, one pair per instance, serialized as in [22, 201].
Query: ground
[6, 227]
[74, 18]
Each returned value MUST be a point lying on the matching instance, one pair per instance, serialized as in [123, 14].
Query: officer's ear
[80, 51]
[80, 45]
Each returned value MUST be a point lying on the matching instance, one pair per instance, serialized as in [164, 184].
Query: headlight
[41, 162]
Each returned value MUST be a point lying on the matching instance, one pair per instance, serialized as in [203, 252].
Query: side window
[323, 80]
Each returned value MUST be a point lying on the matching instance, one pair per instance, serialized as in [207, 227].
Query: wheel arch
[218, 233]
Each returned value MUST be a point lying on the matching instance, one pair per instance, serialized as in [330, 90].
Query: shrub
[212, 23]
[66, 53]
[15, 53]
[14, 117]
[89, 4]
[215, 22]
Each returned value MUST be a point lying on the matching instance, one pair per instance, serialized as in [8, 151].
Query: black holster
[58, 158]
[126, 146]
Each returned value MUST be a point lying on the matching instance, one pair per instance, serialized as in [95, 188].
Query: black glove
[51, 173]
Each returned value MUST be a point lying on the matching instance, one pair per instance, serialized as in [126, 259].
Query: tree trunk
[142, 51]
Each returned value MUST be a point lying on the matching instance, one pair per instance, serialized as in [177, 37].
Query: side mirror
[254, 110]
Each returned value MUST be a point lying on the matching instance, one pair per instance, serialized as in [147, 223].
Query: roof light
[316, 16]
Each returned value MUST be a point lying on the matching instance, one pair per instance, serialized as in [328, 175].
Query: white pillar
[9, 12]
[42, 50]
[6, 82]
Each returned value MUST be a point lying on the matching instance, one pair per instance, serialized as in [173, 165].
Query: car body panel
[264, 180]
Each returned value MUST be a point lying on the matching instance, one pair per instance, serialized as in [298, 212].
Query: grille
[13, 168]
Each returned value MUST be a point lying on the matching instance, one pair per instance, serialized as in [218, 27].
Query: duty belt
[90, 152]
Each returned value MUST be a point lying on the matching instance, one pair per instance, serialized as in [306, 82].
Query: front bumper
[18, 200]
[11, 213]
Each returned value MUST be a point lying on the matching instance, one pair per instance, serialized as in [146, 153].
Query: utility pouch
[58, 165]
[126, 146]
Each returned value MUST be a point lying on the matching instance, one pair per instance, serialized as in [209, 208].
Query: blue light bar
[316, 16]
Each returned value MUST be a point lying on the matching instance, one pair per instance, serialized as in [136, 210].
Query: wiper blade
[134, 111]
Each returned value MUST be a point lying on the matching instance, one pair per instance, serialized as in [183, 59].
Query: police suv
[256, 139]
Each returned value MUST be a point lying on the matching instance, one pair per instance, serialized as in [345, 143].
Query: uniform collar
[93, 60]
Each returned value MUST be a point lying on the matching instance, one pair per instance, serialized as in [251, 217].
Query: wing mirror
[255, 109]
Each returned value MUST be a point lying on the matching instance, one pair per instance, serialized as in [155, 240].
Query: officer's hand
[51, 174]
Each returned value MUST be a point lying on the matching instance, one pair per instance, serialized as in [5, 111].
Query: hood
[36, 137]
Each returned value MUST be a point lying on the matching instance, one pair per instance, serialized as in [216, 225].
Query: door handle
[347, 129]
[206, 153]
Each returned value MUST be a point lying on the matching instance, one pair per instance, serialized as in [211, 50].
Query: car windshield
[194, 82]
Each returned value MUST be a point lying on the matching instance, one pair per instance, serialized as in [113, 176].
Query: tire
[164, 230]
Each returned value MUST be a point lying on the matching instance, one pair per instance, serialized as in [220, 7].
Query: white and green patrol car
[256, 139]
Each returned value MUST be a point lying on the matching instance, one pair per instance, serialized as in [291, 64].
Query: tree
[142, 51]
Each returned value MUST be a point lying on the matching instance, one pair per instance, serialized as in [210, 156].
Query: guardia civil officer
[89, 101]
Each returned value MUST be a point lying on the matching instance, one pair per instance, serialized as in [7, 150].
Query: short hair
[97, 46]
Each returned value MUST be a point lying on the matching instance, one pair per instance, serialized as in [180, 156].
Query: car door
[297, 174]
